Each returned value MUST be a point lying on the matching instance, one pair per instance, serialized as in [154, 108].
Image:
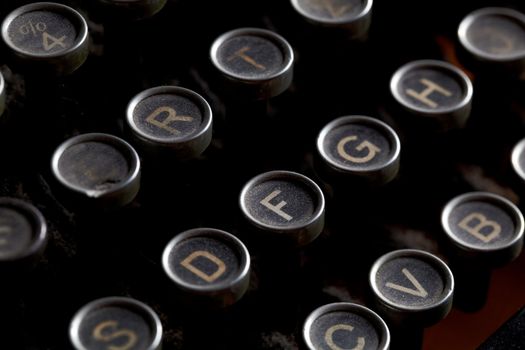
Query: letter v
[419, 291]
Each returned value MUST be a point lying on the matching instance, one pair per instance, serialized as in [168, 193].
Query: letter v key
[419, 291]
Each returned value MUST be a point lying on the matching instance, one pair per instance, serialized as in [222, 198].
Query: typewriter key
[435, 94]
[131, 9]
[411, 289]
[494, 37]
[345, 326]
[170, 120]
[256, 64]
[249, 68]
[23, 233]
[485, 231]
[352, 16]
[116, 323]
[46, 37]
[209, 267]
[286, 204]
[360, 148]
[97, 170]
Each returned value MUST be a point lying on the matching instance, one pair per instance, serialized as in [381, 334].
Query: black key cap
[345, 326]
[494, 39]
[250, 68]
[284, 205]
[284, 212]
[170, 121]
[23, 234]
[97, 171]
[350, 17]
[48, 38]
[210, 268]
[358, 150]
[256, 63]
[484, 231]
[412, 289]
[116, 323]
[434, 94]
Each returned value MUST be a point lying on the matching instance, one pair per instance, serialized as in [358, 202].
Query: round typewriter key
[23, 231]
[132, 9]
[436, 92]
[99, 170]
[170, 119]
[257, 63]
[211, 267]
[359, 147]
[484, 231]
[412, 286]
[47, 37]
[345, 326]
[485, 227]
[116, 323]
[495, 36]
[353, 16]
[284, 203]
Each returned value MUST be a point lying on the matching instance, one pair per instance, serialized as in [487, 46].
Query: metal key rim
[199, 101]
[273, 37]
[441, 267]
[74, 16]
[389, 134]
[38, 225]
[128, 152]
[517, 152]
[313, 226]
[234, 243]
[375, 320]
[504, 204]
[3, 94]
[367, 9]
[145, 311]
[462, 79]
[467, 22]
